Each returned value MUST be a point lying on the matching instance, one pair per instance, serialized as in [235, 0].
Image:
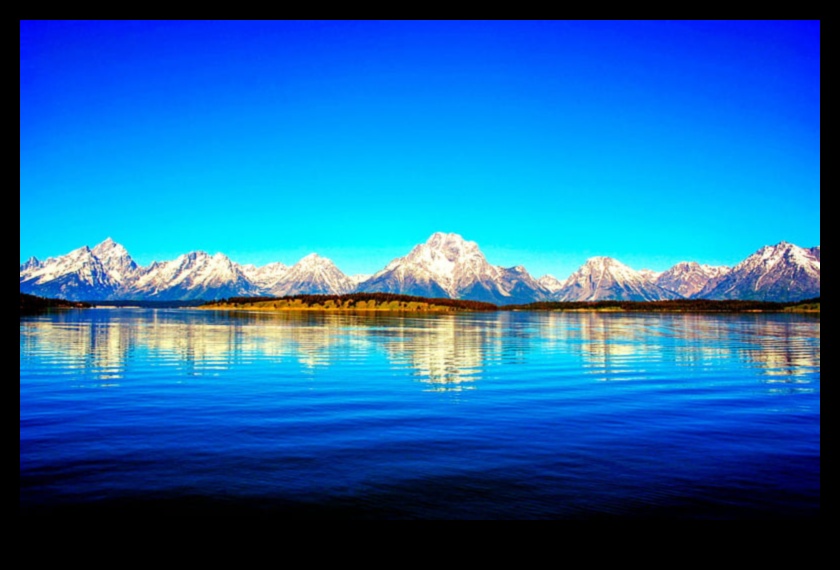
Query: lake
[502, 415]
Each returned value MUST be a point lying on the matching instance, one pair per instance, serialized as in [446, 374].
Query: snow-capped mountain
[108, 272]
[449, 266]
[116, 261]
[650, 274]
[781, 272]
[604, 278]
[264, 277]
[550, 283]
[359, 278]
[30, 265]
[314, 275]
[689, 277]
[521, 287]
[444, 266]
[78, 275]
[195, 275]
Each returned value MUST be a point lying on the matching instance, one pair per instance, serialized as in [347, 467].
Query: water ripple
[499, 415]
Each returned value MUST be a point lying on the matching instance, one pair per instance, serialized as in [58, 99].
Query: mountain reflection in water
[443, 351]
[472, 415]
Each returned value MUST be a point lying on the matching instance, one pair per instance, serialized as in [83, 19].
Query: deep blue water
[469, 416]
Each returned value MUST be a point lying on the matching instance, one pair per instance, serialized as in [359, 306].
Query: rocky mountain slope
[781, 272]
[446, 265]
[689, 277]
[604, 278]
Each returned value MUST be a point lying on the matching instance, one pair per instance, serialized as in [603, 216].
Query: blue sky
[545, 142]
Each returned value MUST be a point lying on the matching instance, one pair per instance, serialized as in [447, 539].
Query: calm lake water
[470, 416]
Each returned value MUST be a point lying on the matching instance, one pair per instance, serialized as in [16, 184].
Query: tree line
[675, 305]
[352, 298]
[33, 303]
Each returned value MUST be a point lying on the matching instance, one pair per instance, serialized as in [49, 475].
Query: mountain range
[446, 265]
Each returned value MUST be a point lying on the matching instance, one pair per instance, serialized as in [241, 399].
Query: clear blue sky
[545, 142]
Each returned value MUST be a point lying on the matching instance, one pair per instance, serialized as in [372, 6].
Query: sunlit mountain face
[449, 266]
[783, 272]
[688, 277]
[603, 278]
[445, 266]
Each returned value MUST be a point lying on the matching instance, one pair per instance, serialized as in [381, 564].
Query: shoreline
[396, 303]
[229, 308]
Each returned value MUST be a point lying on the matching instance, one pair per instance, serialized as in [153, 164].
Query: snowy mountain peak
[450, 242]
[442, 239]
[313, 274]
[30, 264]
[771, 254]
[602, 278]
[193, 255]
[601, 264]
[439, 267]
[194, 275]
[107, 243]
[358, 278]
[109, 247]
[688, 278]
[449, 247]
[275, 266]
[223, 261]
[650, 274]
[79, 252]
[202, 258]
[601, 261]
[314, 259]
[781, 272]
[115, 260]
[314, 263]
[550, 282]
[265, 277]
[77, 275]
[447, 265]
